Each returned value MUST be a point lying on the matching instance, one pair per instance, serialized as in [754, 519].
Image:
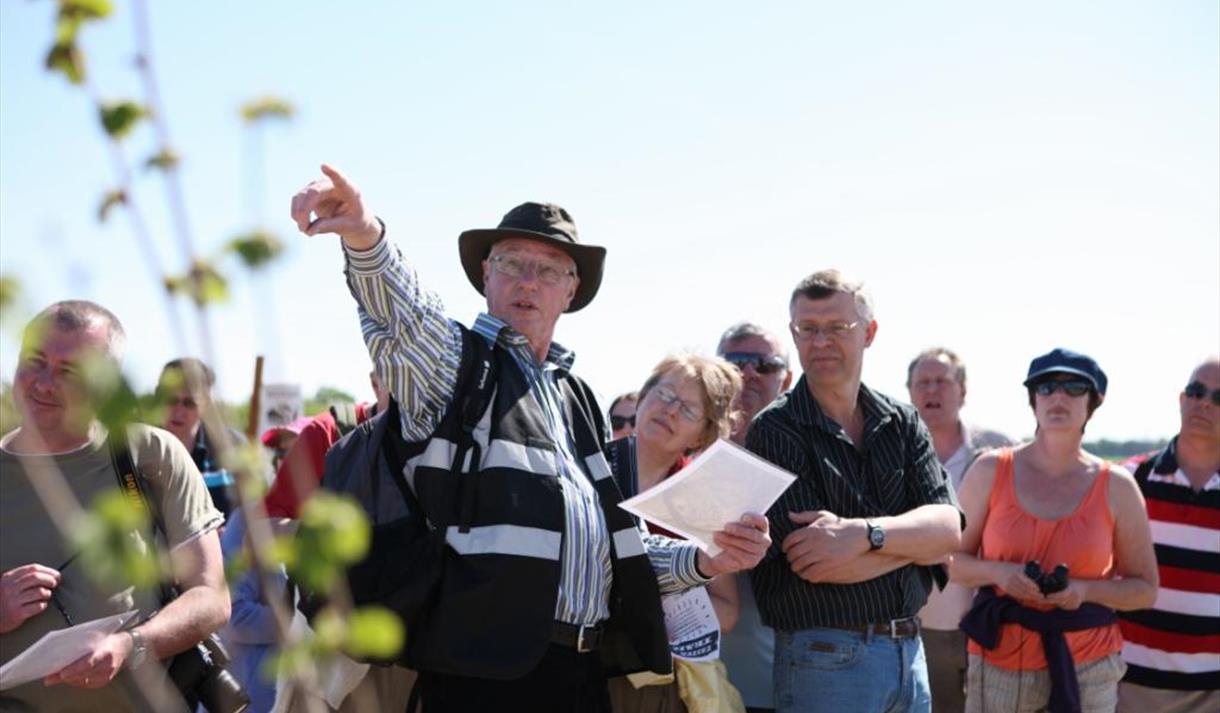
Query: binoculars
[1048, 582]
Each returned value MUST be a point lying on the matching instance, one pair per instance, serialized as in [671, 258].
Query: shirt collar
[877, 411]
[497, 331]
[1165, 469]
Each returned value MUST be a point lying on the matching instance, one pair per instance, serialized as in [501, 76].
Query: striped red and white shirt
[1176, 644]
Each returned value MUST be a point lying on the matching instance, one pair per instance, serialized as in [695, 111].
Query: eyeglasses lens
[762, 363]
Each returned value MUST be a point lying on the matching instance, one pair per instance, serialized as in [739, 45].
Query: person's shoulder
[780, 413]
[157, 451]
[988, 438]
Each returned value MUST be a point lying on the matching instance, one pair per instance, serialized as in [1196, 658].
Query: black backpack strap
[473, 393]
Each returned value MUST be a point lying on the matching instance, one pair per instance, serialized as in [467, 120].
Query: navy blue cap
[1065, 361]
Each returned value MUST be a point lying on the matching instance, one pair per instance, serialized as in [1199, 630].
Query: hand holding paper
[715, 503]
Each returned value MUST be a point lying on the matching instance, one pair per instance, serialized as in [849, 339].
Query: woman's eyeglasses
[1198, 390]
[1071, 388]
[668, 397]
[762, 363]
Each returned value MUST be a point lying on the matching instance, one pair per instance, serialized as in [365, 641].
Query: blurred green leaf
[266, 107]
[110, 550]
[65, 57]
[9, 288]
[203, 284]
[120, 117]
[374, 632]
[256, 248]
[247, 462]
[164, 159]
[332, 534]
[111, 396]
[109, 201]
[85, 9]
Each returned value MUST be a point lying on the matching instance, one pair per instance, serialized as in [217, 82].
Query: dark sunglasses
[617, 422]
[762, 363]
[1198, 390]
[1071, 388]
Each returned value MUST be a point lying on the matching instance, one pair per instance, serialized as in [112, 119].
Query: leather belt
[582, 638]
[895, 628]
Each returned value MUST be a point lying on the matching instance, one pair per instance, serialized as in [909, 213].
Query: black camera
[1048, 582]
[199, 675]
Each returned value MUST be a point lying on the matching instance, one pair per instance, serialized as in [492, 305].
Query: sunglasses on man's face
[618, 422]
[762, 363]
[1071, 388]
[1198, 390]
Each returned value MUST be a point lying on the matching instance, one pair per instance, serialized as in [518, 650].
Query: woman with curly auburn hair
[685, 405]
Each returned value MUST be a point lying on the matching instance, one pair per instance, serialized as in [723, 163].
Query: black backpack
[403, 568]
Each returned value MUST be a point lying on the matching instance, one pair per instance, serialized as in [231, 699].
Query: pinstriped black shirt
[894, 470]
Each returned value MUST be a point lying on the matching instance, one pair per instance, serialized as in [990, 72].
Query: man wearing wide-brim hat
[527, 620]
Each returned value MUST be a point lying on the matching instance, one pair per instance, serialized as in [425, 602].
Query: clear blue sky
[1007, 177]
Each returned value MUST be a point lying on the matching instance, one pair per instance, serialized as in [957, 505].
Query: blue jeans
[834, 670]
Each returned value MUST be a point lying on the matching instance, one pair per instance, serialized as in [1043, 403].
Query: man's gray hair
[75, 315]
[955, 361]
[742, 330]
[826, 283]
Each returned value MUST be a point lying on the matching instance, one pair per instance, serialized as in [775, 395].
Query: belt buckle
[580, 640]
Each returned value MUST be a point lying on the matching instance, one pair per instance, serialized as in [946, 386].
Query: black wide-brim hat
[545, 223]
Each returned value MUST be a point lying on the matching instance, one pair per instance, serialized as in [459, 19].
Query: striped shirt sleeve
[674, 562]
[415, 348]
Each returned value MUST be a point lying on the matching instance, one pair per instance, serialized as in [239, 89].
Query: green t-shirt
[27, 535]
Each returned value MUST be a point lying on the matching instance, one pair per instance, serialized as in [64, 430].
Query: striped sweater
[1176, 644]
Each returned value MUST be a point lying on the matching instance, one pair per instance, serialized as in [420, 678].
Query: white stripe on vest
[505, 540]
[628, 543]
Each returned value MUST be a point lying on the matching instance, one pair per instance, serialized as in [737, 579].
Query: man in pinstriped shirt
[532, 269]
[871, 504]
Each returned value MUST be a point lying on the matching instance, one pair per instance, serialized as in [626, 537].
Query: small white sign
[281, 405]
[692, 626]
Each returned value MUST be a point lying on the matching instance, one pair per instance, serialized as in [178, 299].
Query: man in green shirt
[59, 453]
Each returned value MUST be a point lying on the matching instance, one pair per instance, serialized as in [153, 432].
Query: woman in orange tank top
[1051, 502]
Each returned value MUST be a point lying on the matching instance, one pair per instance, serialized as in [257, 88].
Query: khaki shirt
[28, 535]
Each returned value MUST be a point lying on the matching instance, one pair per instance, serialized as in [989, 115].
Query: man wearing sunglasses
[936, 382]
[528, 621]
[748, 651]
[44, 586]
[1172, 650]
[871, 506]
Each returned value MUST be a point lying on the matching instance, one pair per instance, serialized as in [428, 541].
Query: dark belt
[895, 628]
[582, 638]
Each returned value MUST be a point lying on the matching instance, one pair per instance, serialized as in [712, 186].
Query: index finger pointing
[337, 176]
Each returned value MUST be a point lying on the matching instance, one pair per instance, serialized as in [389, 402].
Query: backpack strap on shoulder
[475, 389]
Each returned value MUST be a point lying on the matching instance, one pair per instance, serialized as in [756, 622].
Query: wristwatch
[876, 536]
[139, 649]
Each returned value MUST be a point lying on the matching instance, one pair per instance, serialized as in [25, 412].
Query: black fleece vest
[496, 608]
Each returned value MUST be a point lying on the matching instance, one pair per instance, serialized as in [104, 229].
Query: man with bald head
[1172, 650]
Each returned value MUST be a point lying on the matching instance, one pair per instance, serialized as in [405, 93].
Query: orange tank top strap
[1098, 497]
[1002, 485]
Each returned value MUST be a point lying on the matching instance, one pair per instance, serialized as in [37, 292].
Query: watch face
[876, 537]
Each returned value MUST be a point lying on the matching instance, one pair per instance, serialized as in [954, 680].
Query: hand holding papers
[57, 649]
[716, 488]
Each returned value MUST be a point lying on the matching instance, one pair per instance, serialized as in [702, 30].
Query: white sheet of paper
[720, 485]
[57, 649]
[692, 625]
